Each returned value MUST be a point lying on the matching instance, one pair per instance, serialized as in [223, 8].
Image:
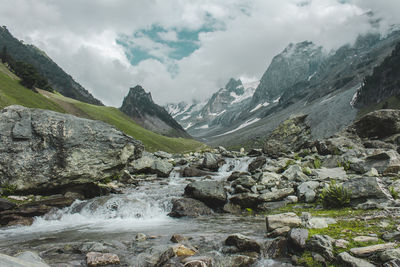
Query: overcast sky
[182, 49]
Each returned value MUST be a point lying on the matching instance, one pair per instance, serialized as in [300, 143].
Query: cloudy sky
[183, 49]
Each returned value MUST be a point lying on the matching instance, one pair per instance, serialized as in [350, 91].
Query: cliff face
[140, 106]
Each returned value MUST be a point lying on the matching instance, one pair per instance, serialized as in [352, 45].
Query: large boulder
[369, 187]
[347, 260]
[380, 123]
[212, 162]
[322, 244]
[211, 193]
[149, 164]
[243, 243]
[42, 151]
[289, 219]
[194, 172]
[188, 207]
[257, 164]
[6, 260]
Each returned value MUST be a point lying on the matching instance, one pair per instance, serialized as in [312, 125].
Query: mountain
[140, 106]
[58, 79]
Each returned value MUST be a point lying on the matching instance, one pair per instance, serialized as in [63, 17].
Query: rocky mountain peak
[138, 92]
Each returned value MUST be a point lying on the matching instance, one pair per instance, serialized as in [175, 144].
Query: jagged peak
[138, 91]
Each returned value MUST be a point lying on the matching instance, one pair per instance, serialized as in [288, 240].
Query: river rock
[347, 260]
[390, 254]
[194, 172]
[322, 244]
[52, 151]
[306, 191]
[98, 259]
[280, 220]
[211, 193]
[276, 248]
[297, 238]
[148, 164]
[188, 207]
[371, 250]
[6, 260]
[246, 200]
[380, 123]
[257, 164]
[243, 243]
[212, 162]
[295, 173]
[6, 205]
[368, 187]
[277, 194]
[177, 238]
[197, 261]
[255, 152]
[244, 181]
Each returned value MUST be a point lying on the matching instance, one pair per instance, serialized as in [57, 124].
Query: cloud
[182, 49]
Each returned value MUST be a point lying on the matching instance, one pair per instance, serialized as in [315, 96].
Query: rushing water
[115, 220]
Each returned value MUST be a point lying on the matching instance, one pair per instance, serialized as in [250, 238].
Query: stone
[279, 232]
[148, 164]
[62, 150]
[6, 260]
[368, 187]
[365, 239]
[140, 237]
[297, 238]
[390, 254]
[257, 164]
[93, 247]
[380, 123]
[289, 219]
[197, 261]
[371, 250]
[341, 243]
[99, 259]
[212, 162]
[270, 206]
[347, 260]
[177, 238]
[392, 236]
[306, 191]
[321, 244]
[294, 173]
[275, 195]
[188, 207]
[194, 172]
[331, 173]
[319, 222]
[385, 162]
[392, 263]
[246, 200]
[276, 248]
[212, 193]
[255, 152]
[183, 251]
[6, 205]
[243, 243]
[163, 155]
[245, 181]
[30, 256]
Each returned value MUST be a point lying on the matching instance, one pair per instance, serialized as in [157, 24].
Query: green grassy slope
[11, 92]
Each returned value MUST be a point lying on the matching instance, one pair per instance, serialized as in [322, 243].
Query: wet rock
[194, 172]
[238, 261]
[61, 151]
[297, 238]
[276, 194]
[140, 237]
[306, 191]
[197, 261]
[246, 200]
[26, 260]
[276, 248]
[392, 263]
[243, 243]
[255, 152]
[289, 219]
[380, 123]
[188, 207]
[6, 205]
[93, 247]
[212, 193]
[322, 244]
[294, 173]
[98, 259]
[212, 162]
[148, 164]
[177, 238]
[244, 181]
[390, 254]
[177, 250]
[347, 260]
[30, 256]
[371, 250]
[368, 187]
[257, 164]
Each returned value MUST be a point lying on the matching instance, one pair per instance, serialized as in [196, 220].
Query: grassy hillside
[11, 92]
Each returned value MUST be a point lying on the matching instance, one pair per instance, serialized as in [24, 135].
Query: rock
[319, 222]
[140, 237]
[237, 261]
[177, 238]
[322, 244]
[211, 193]
[297, 238]
[306, 191]
[6, 205]
[6, 260]
[393, 236]
[194, 172]
[275, 248]
[188, 207]
[294, 173]
[212, 162]
[257, 164]
[244, 181]
[276, 194]
[347, 260]
[163, 155]
[365, 239]
[199, 261]
[62, 150]
[370, 250]
[332, 173]
[255, 152]
[341, 243]
[368, 187]
[392, 263]
[246, 200]
[149, 164]
[30, 256]
[99, 259]
[390, 254]
[385, 162]
[279, 232]
[270, 206]
[380, 123]
[280, 220]
[177, 250]
[93, 247]
[243, 243]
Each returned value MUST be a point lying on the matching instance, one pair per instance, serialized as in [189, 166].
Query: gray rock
[347, 260]
[297, 238]
[257, 164]
[384, 162]
[149, 164]
[245, 181]
[163, 155]
[322, 244]
[211, 193]
[276, 194]
[332, 173]
[6, 260]
[380, 123]
[188, 207]
[6, 205]
[276, 248]
[392, 263]
[30, 256]
[246, 200]
[243, 243]
[369, 187]
[62, 150]
[270, 206]
[371, 250]
[393, 236]
[255, 152]
[194, 172]
[295, 173]
[319, 222]
[306, 191]
[212, 162]
[390, 254]
[283, 219]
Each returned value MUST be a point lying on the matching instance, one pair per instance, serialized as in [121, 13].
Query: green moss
[306, 259]
[8, 189]
[317, 163]
[393, 192]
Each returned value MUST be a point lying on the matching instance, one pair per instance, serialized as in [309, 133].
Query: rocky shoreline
[293, 182]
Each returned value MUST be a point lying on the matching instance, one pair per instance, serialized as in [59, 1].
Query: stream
[112, 222]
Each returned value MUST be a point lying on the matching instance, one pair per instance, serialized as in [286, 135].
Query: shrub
[393, 192]
[317, 163]
[335, 196]
[8, 189]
